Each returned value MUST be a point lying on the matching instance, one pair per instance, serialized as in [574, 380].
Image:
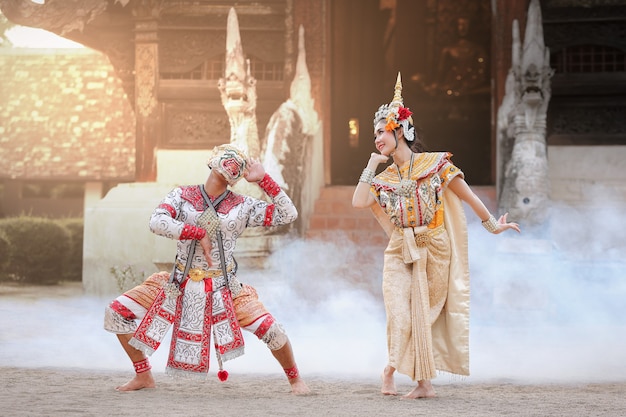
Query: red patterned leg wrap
[292, 373]
[142, 366]
[264, 326]
[122, 310]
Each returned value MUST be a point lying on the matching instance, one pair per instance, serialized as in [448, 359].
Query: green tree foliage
[75, 227]
[39, 249]
[4, 254]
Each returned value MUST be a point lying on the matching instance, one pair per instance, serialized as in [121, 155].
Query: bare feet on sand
[140, 381]
[299, 387]
[389, 385]
[424, 389]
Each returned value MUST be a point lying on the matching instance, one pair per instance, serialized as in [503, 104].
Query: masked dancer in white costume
[417, 200]
[202, 298]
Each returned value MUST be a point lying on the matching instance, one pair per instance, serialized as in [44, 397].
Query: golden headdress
[396, 114]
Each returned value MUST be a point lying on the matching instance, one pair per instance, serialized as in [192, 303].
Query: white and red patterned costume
[206, 305]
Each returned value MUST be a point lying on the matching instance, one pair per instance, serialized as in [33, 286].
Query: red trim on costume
[264, 326]
[193, 195]
[269, 186]
[154, 311]
[420, 211]
[292, 373]
[168, 207]
[122, 310]
[229, 202]
[228, 315]
[203, 338]
[192, 232]
[269, 215]
[383, 187]
[142, 366]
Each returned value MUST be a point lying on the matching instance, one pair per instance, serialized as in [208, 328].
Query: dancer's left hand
[255, 171]
[503, 225]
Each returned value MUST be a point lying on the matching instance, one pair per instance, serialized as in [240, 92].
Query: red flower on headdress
[404, 113]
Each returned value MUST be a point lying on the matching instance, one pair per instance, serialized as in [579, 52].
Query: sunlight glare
[27, 37]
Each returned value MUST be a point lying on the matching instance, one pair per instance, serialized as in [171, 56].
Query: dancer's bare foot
[299, 387]
[389, 384]
[140, 381]
[424, 389]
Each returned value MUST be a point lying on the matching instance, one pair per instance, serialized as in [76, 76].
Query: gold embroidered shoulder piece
[424, 164]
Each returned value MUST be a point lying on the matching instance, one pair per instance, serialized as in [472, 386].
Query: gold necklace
[407, 186]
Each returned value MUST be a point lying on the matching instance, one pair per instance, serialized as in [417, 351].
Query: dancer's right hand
[376, 159]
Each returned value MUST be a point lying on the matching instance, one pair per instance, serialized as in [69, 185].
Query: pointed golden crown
[395, 113]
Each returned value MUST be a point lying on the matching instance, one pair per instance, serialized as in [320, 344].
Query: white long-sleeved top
[177, 214]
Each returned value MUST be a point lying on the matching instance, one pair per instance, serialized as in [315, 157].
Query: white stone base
[117, 235]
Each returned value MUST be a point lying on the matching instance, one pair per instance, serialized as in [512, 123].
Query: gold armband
[367, 176]
[491, 224]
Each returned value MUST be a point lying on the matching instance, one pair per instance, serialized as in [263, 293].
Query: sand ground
[67, 392]
[50, 366]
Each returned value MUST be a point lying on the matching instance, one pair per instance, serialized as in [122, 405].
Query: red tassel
[222, 375]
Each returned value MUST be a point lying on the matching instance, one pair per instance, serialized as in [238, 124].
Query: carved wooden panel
[598, 120]
[587, 41]
[581, 3]
[181, 51]
[195, 33]
[560, 35]
[194, 126]
[145, 78]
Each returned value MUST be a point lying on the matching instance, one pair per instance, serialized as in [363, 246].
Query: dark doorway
[442, 50]
[357, 28]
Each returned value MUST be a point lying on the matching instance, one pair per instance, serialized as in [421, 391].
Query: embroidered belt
[415, 238]
[421, 239]
[198, 274]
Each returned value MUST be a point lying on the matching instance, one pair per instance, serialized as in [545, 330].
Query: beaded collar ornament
[407, 185]
[395, 114]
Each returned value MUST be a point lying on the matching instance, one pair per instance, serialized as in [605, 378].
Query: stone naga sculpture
[289, 132]
[238, 92]
[523, 182]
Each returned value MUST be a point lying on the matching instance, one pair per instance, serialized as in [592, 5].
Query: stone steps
[334, 214]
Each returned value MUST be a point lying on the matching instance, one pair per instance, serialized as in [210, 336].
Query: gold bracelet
[367, 176]
[491, 224]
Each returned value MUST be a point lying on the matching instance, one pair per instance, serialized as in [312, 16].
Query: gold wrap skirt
[415, 287]
[426, 293]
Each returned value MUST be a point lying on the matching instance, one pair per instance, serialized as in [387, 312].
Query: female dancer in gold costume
[417, 199]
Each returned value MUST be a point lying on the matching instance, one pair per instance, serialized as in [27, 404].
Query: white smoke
[542, 311]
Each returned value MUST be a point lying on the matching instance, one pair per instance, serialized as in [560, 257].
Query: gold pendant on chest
[407, 188]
